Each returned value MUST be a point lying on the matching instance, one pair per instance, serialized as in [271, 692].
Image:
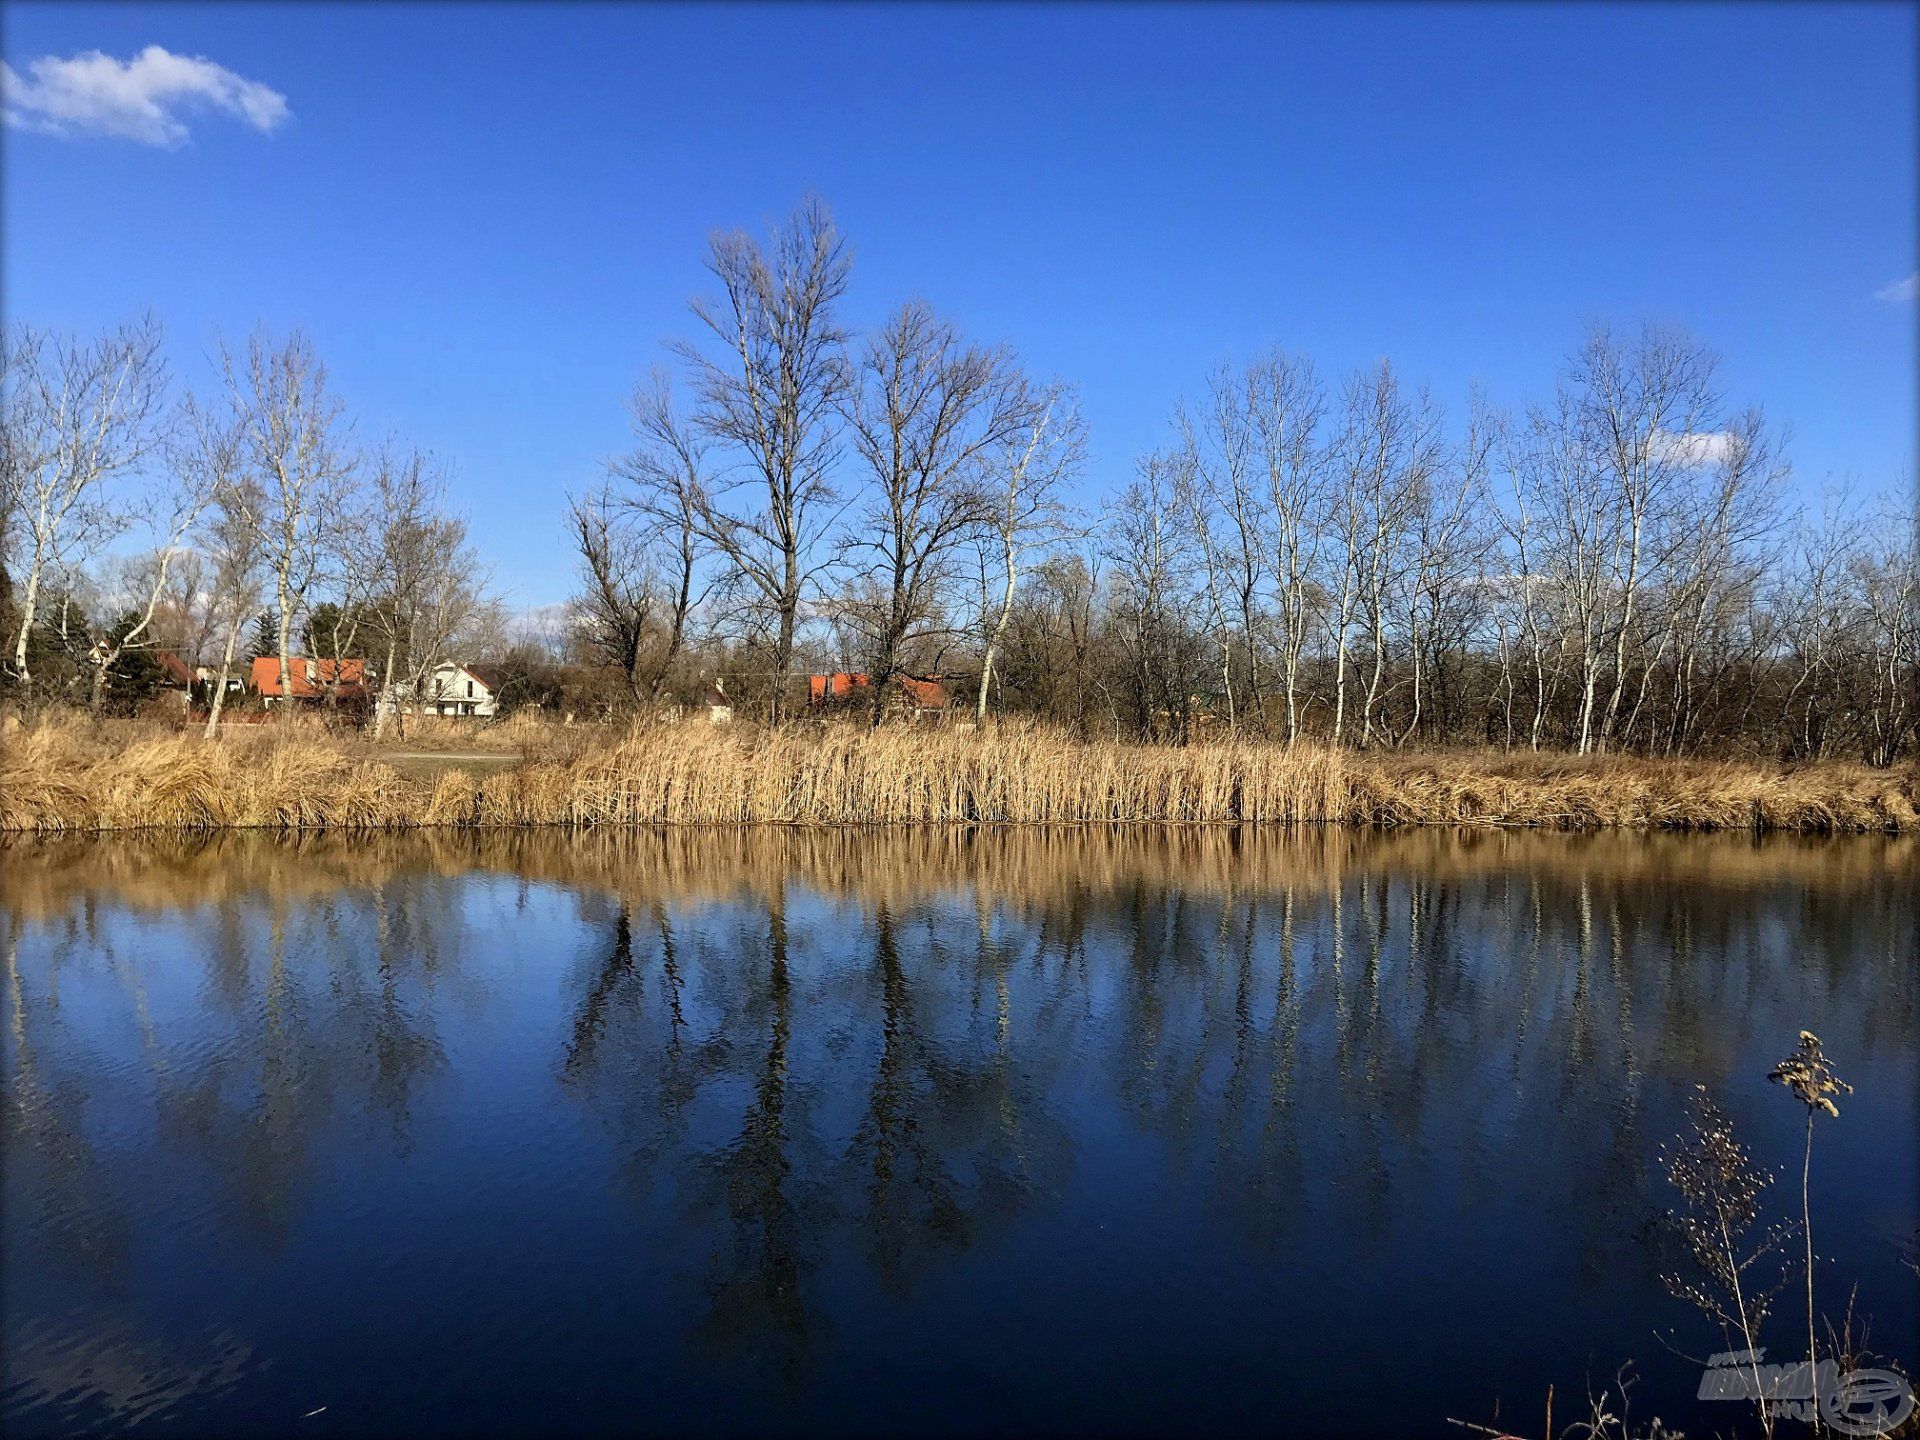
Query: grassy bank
[71, 777]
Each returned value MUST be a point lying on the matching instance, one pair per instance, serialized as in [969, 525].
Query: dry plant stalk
[1814, 1082]
[59, 775]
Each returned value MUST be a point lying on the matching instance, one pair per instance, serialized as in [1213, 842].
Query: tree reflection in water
[807, 1085]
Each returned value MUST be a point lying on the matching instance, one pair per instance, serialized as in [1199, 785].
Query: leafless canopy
[768, 383]
[928, 414]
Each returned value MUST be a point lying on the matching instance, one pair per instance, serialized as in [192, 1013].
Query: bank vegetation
[1622, 562]
[64, 776]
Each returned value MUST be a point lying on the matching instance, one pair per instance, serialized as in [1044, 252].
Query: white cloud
[1899, 291]
[1704, 447]
[140, 99]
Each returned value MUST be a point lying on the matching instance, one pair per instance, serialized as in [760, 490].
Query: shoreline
[67, 778]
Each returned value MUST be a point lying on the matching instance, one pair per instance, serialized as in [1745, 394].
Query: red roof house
[909, 692]
[825, 689]
[923, 694]
[179, 674]
[311, 678]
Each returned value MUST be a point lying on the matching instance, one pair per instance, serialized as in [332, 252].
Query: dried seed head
[1810, 1075]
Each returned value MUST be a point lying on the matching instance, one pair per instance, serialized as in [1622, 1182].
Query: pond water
[1170, 1131]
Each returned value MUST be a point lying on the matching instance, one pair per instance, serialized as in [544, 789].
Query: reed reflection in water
[1170, 1130]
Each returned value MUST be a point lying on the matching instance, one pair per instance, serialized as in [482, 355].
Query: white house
[450, 689]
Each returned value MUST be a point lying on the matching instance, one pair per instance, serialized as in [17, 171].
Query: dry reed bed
[56, 777]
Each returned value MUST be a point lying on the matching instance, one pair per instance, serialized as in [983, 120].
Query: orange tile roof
[309, 676]
[926, 694]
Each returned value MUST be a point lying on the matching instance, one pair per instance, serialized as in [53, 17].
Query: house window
[469, 689]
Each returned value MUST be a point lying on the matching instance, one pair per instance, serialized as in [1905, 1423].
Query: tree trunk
[28, 604]
[993, 643]
[1414, 723]
[220, 687]
[285, 637]
[382, 702]
[1340, 683]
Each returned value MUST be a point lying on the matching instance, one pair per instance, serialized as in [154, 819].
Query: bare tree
[424, 582]
[667, 482]
[237, 578]
[295, 455]
[1888, 575]
[619, 596]
[1443, 553]
[185, 621]
[196, 474]
[927, 414]
[1026, 513]
[1286, 403]
[1153, 550]
[1231, 523]
[1645, 419]
[1388, 448]
[77, 416]
[1193, 502]
[1528, 472]
[1572, 528]
[1725, 518]
[771, 397]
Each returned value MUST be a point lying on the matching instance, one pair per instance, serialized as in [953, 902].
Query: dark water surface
[1171, 1131]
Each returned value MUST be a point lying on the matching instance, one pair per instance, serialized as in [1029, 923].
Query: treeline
[138, 518]
[1615, 567]
[1618, 566]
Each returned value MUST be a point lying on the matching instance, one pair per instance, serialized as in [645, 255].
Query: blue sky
[490, 217]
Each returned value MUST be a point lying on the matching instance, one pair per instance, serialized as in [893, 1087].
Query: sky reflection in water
[1172, 1131]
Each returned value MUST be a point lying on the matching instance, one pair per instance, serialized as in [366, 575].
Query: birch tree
[1193, 499]
[1645, 417]
[1286, 404]
[424, 581]
[1152, 547]
[1443, 554]
[1027, 512]
[1576, 526]
[196, 474]
[1388, 449]
[1725, 522]
[77, 416]
[1223, 451]
[295, 454]
[1526, 586]
[1888, 571]
[1815, 601]
[229, 543]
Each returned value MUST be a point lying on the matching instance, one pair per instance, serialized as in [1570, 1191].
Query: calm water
[1171, 1132]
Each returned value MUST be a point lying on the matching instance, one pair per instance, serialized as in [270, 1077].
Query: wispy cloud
[1900, 291]
[141, 99]
[1703, 447]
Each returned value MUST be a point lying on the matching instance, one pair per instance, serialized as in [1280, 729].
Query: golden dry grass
[67, 776]
[523, 730]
